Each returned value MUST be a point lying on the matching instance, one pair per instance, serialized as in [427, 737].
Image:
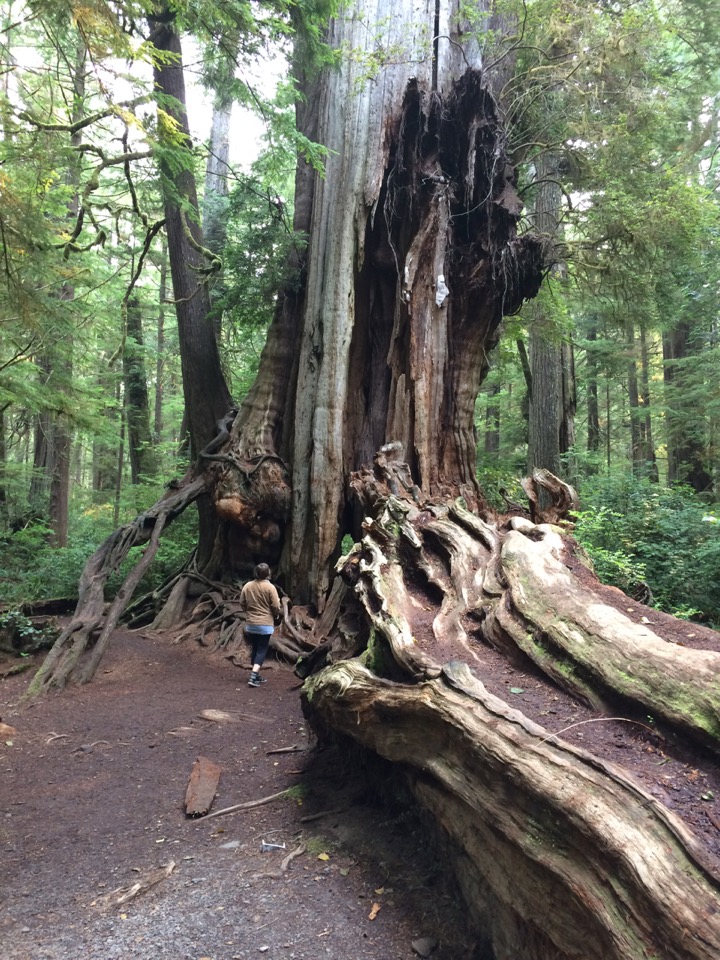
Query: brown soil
[92, 785]
[91, 791]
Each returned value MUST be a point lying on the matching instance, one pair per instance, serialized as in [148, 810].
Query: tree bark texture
[561, 855]
[412, 261]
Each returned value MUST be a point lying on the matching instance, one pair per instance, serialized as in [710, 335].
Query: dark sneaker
[255, 680]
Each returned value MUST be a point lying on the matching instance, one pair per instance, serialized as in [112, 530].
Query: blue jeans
[260, 644]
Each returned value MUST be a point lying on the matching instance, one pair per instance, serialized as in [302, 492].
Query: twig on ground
[581, 723]
[323, 813]
[56, 736]
[243, 806]
[293, 749]
[277, 874]
[116, 898]
[87, 747]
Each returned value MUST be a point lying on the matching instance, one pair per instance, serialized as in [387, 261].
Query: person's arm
[276, 608]
[243, 600]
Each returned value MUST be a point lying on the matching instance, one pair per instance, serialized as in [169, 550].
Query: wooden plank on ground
[201, 788]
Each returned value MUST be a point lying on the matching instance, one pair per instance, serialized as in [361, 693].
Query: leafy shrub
[31, 569]
[18, 634]
[635, 530]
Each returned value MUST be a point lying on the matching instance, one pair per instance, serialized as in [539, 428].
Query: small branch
[323, 813]
[277, 874]
[580, 723]
[86, 121]
[244, 806]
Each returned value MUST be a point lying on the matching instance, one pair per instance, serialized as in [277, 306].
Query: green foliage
[30, 569]
[499, 485]
[636, 531]
[597, 531]
[19, 634]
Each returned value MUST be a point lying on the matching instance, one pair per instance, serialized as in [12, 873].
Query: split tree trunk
[412, 261]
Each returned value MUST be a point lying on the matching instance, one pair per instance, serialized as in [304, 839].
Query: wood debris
[123, 895]
[202, 787]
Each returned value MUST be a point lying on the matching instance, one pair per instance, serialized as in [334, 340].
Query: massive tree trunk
[412, 261]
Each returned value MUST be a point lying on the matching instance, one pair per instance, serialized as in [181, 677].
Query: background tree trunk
[685, 426]
[137, 409]
[160, 348]
[551, 425]
[207, 398]
[593, 403]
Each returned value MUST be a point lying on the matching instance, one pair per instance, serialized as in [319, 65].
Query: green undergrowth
[642, 536]
[33, 570]
[637, 532]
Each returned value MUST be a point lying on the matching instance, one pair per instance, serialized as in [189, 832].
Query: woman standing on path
[260, 602]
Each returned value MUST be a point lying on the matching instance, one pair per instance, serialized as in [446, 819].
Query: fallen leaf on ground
[374, 911]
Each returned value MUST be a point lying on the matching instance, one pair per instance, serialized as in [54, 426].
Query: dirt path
[93, 780]
[91, 791]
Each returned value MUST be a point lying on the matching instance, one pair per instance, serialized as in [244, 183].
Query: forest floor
[92, 783]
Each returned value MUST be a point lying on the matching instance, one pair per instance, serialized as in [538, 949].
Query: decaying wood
[202, 787]
[571, 843]
[561, 855]
[222, 716]
[122, 895]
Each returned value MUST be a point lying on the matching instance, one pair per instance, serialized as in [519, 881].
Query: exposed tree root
[65, 659]
[561, 854]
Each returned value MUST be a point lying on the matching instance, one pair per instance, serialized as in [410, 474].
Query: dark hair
[262, 571]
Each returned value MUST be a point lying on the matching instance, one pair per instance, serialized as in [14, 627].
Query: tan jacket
[260, 602]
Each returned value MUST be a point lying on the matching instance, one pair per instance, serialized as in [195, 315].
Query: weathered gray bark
[412, 261]
[215, 210]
